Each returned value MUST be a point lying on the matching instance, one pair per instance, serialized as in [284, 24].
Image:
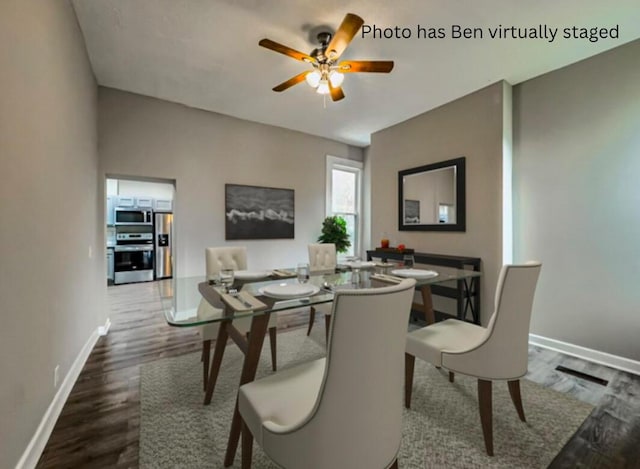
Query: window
[344, 182]
[446, 213]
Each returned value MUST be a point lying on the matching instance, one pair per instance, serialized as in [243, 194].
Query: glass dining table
[182, 299]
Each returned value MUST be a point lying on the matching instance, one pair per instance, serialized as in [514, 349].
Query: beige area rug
[442, 430]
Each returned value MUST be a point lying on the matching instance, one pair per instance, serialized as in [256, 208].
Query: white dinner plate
[289, 290]
[251, 274]
[414, 273]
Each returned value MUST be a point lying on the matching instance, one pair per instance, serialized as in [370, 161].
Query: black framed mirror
[432, 197]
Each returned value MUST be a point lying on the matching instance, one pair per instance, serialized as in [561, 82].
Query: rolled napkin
[386, 278]
[243, 301]
[283, 273]
[359, 264]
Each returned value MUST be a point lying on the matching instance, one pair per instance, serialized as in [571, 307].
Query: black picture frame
[460, 225]
[256, 212]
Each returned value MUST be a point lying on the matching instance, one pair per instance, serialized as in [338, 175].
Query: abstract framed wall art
[411, 211]
[253, 212]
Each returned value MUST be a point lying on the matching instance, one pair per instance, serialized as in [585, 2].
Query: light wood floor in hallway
[99, 425]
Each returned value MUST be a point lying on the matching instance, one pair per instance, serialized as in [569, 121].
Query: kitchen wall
[201, 151]
[51, 290]
[576, 167]
[470, 126]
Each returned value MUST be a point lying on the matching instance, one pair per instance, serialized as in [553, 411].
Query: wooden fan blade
[375, 66]
[336, 92]
[292, 81]
[274, 46]
[343, 36]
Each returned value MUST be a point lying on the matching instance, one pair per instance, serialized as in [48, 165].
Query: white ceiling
[205, 54]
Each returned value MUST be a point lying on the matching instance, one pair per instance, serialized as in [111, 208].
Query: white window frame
[356, 167]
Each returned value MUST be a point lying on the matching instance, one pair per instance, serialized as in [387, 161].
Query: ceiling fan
[326, 76]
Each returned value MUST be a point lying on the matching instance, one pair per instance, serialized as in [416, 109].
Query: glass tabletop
[194, 301]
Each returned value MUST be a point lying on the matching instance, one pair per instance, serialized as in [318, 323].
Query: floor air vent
[579, 374]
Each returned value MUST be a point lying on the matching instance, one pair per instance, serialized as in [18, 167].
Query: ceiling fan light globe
[336, 78]
[313, 78]
[323, 87]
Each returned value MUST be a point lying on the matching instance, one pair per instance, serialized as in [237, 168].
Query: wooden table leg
[258, 330]
[427, 304]
[221, 344]
[205, 358]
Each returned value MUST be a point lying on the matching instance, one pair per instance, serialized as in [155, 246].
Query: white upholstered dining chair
[497, 352]
[322, 258]
[345, 410]
[216, 259]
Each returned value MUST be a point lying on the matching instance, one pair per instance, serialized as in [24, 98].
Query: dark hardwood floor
[99, 425]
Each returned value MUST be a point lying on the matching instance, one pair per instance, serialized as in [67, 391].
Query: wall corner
[507, 173]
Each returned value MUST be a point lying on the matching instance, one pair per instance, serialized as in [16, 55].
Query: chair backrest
[322, 256]
[503, 353]
[220, 258]
[357, 418]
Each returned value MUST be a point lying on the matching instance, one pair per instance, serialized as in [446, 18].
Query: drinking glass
[355, 277]
[303, 272]
[408, 261]
[226, 278]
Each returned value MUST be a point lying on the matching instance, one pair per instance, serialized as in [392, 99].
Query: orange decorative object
[384, 243]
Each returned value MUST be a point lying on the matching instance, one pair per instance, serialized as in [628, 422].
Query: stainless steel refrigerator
[163, 239]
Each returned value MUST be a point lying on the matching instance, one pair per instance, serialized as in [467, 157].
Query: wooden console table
[466, 293]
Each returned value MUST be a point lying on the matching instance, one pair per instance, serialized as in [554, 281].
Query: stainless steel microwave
[133, 216]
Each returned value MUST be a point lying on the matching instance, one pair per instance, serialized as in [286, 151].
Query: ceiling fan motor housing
[324, 38]
[319, 53]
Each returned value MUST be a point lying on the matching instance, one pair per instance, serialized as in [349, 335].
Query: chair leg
[409, 362]
[247, 446]
[312, 318]
[514, 391]
[452, 376]
[272, 341]
[486, 413]
[394, 465]
[206, 355]
[327, 324]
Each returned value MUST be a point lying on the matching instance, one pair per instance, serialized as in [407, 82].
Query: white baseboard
[39, 440]
[104, 330]
[595, 356]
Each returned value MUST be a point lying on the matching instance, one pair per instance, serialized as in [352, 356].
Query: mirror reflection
[432, 197]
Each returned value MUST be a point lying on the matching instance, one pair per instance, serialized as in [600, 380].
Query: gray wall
[51, 292]
[470, 126]
[201, 151]
[577, 199]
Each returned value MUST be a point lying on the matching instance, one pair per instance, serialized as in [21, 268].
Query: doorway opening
[139, 223]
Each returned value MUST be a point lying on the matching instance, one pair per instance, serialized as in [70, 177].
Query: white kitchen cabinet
[125, 201]
[110, 266]
[163, 205]
[144, 202]
[110, 215]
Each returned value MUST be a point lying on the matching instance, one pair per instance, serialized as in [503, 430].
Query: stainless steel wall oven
[133, 257]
